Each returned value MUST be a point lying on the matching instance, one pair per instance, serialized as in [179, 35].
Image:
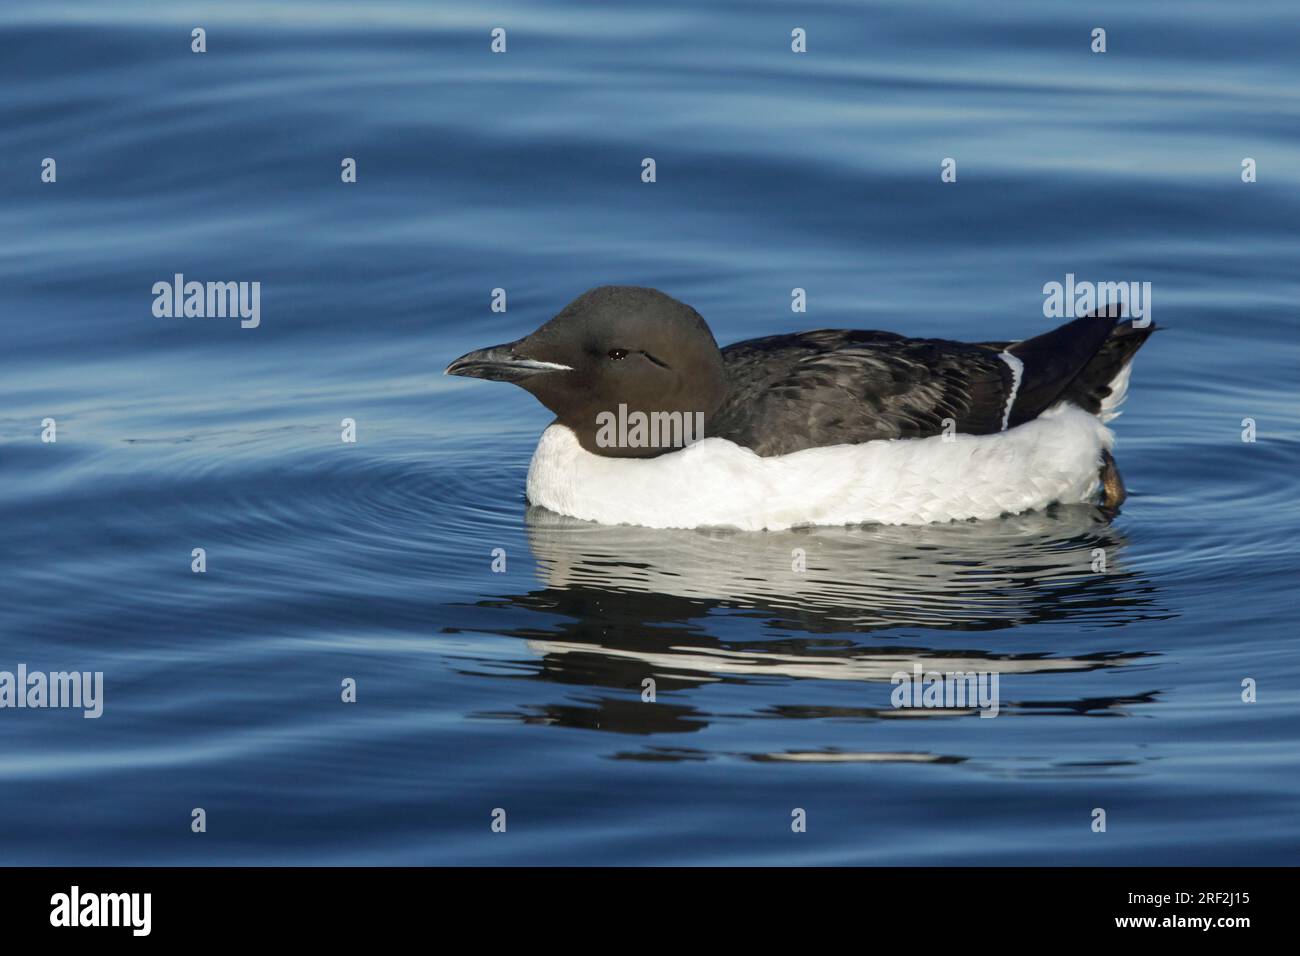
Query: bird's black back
[840, 386]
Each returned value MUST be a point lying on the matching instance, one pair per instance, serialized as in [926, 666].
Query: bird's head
[613, 351]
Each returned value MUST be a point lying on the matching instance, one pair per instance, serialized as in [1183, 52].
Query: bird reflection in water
[619, 604]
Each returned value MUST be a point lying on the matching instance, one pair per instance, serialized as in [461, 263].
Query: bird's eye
[617, 354]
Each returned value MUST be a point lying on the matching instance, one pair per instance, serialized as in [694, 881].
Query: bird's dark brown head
[610, 354]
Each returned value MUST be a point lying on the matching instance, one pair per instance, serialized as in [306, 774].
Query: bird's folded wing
[836, 386]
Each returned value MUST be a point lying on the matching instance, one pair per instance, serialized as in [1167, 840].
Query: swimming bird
[657, 426]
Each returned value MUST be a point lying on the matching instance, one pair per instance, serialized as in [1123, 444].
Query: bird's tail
[1084, 361]
[1101, 385]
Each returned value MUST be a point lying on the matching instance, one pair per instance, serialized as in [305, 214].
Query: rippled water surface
[522, 689]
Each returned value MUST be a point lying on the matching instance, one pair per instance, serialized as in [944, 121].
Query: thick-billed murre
[657, 426]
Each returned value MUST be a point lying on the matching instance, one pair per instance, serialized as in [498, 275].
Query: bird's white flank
[714, 482]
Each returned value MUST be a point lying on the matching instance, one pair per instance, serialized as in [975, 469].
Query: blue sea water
[521, 690]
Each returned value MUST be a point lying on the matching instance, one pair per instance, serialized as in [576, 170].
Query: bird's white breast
[714, 482]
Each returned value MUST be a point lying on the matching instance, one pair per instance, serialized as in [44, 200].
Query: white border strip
[1017, 371]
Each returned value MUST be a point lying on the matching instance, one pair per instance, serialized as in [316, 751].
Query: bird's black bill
[501, 363]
